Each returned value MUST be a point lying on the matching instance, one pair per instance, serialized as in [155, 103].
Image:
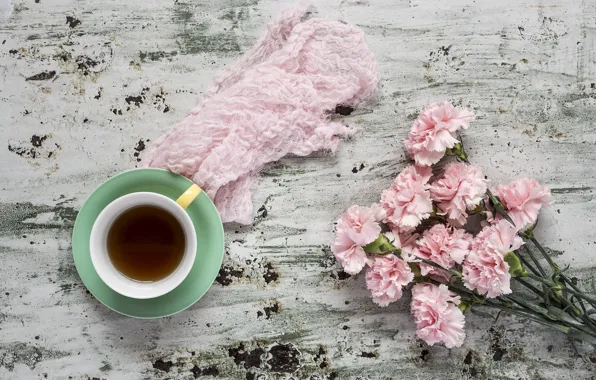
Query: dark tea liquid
[146, 243]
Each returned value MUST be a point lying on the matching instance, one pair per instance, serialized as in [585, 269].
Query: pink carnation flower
[442, 245]
[402, 240]
[523, 199]
[485, 269]
[434, 131]
[460, 188]
[360, 224]
[378, 211]
[386, 277]
[437, 317]
[350, 255]
[407, 202]
[356, 228]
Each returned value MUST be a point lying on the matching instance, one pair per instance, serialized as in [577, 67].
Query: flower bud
[415, 269]
[464, 306]
[516, 268]
[380, 246]
[457, 151]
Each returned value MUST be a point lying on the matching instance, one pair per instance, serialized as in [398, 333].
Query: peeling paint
[12, 354]
[85, 89]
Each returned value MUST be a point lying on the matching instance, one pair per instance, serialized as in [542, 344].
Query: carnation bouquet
[440, 231]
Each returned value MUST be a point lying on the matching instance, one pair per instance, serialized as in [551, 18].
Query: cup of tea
[143, 245]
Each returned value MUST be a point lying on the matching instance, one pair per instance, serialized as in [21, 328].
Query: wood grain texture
[84, 85]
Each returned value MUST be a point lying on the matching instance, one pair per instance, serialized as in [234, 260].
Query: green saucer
[210, 243]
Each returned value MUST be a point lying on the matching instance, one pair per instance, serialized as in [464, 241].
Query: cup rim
[118, 281]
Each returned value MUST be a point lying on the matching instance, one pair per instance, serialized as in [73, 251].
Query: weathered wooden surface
[82, 83]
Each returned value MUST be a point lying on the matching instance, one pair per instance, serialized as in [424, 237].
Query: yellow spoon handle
[188, 196]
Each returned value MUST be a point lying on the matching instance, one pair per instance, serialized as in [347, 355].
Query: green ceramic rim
[210, 243]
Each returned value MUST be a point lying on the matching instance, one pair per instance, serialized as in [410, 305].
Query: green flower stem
[540, 293]
[543, 280]
[572, 291]
[530, 236]
[536, 310]
[585, 316]
[575, 312]
[563, 329]
[535, 260]
[527, 264]
[553, 290]
[569, 307]
[529, 286]
[570, 283]
[584, 310]
[478, 299]
[475, 297]
[541, 315]
[544, 313]
[527, 310]
[540, 269]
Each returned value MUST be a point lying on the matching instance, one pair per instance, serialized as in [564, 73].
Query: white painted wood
[527, 68]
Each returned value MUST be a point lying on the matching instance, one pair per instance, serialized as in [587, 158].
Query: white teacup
[99, 236]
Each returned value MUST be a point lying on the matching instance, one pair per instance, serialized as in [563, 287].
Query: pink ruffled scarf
[274, 101]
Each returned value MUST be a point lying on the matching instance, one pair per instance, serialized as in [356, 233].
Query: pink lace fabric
[274, 101]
